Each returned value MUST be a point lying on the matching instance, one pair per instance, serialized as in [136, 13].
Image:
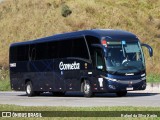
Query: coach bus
[88, 61]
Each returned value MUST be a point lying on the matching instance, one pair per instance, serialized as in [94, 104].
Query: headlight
[111, 79]
[143, 75]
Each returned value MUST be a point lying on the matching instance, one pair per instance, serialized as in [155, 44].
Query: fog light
[112, 87]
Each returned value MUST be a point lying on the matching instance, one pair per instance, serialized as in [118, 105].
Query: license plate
[129, 88]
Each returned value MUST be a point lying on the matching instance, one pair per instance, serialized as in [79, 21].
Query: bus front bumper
[125, 85]
[132, 83]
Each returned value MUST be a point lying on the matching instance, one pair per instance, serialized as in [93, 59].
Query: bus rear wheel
[121, 93]
[29, 89]
[87, 89]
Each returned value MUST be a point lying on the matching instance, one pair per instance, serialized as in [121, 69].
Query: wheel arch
[27, 80]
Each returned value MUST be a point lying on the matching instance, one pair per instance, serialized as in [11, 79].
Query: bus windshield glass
[124, 57]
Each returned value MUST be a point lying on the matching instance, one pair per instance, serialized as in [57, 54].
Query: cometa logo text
[69, 66]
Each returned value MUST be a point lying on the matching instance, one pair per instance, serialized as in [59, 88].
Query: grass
[61, 108]
[4, 80]
[153, 78]
[75, 110]
[5, 84]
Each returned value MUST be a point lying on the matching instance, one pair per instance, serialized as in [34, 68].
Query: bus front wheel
[29, 89]
[87, 89]
[121, 93]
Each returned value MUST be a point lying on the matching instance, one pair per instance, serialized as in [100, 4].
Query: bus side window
[32, 52]
[99, 61]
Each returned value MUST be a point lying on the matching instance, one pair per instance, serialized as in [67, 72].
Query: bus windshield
[124, 57]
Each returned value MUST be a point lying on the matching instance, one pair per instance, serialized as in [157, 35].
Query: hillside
[22, 20]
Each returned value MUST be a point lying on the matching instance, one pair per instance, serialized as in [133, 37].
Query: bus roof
[99, 33]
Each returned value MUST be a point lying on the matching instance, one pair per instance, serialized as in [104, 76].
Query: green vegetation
[65, 11]
[22, 20]
[45, 108]
[4, 80]
[129, 108]
[153, 78]
[5, 85]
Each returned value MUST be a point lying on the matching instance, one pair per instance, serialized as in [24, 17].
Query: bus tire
[29, 89]
[87, 91]
[121, 93]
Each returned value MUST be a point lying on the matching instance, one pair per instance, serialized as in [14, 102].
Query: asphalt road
[77, 100]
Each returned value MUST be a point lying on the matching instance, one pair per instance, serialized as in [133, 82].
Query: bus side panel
[72, 80]
[71, 72]
[59, 84]
[17, 73]
[15, 81]
[42, 75]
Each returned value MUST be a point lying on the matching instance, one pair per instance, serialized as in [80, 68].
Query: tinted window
[92, 40]
[64, 49]
[13, 53]
[41, 51]
[32, 52]
[49, 50]
[79, 48]
[19, 53]
[99, 60]
[68, 48]
[52, 50]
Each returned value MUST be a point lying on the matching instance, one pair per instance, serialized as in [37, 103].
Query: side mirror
[150, 50]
